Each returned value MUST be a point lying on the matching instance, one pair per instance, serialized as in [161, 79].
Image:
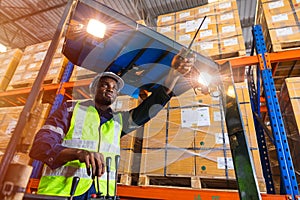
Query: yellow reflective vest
[86, 133]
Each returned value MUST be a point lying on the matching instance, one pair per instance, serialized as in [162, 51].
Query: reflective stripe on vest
[84, 134]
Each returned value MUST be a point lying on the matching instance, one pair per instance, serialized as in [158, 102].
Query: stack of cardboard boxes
[280, 21]
[189, 139]
[220, 35]
[30, 64]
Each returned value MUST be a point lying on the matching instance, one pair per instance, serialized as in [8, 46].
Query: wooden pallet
[277, 47]
[125, 179]
[191, 182]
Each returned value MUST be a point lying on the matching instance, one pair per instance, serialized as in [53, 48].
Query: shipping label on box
[276, 4]
[230, 42]
[225, 163]
[195, 117]
[221, 138]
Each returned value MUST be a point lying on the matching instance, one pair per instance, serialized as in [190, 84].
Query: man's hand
[183, 62]
[181, 65]
[92, 160]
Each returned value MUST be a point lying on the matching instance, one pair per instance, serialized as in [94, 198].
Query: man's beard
[104, 101]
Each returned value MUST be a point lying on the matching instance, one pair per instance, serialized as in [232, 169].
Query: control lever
[99, 193]
[117, 161]
[75, 182]
[108, 164]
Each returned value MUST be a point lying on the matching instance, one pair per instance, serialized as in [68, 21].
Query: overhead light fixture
[96, 28]
[3, 48]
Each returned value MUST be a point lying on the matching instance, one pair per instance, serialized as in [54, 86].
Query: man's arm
[47, 142]
[159, 98]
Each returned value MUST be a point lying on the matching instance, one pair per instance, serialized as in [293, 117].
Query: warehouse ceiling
[27, 22]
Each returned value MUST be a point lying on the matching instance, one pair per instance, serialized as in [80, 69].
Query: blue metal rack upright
[288, 179]
[38, 165]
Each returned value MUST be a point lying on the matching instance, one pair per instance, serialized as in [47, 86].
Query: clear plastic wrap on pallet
[189, 138]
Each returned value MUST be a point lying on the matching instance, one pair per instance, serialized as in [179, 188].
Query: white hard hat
[93, 85]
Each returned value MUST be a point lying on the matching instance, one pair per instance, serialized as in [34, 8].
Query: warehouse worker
[72, 143]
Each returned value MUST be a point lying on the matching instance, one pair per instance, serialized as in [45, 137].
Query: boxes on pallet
[8, 64]
[280, 24]
[124, 102]
[197, 133]
[31, 62]
[222, 21]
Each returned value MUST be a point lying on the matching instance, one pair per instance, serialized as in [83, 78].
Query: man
[72, 143]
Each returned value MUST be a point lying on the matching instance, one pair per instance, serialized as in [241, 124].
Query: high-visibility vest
[85, 133]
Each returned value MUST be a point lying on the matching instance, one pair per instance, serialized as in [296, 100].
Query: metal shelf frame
[288, 178]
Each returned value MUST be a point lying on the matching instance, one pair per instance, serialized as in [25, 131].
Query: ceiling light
[96, 28]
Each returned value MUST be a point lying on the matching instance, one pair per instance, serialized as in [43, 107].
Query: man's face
[106, 92]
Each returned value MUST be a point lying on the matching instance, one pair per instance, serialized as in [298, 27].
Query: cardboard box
[80, 73]
[168, 162]
[229, 30]
[166, 19]
[234, 46]
[124, 102]
[218, 163]
[185, 15]
[126, 160]
[168, 30]
[205, 10]
[127, 141]
[225, 6]
[230, 17]
[209, 48]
